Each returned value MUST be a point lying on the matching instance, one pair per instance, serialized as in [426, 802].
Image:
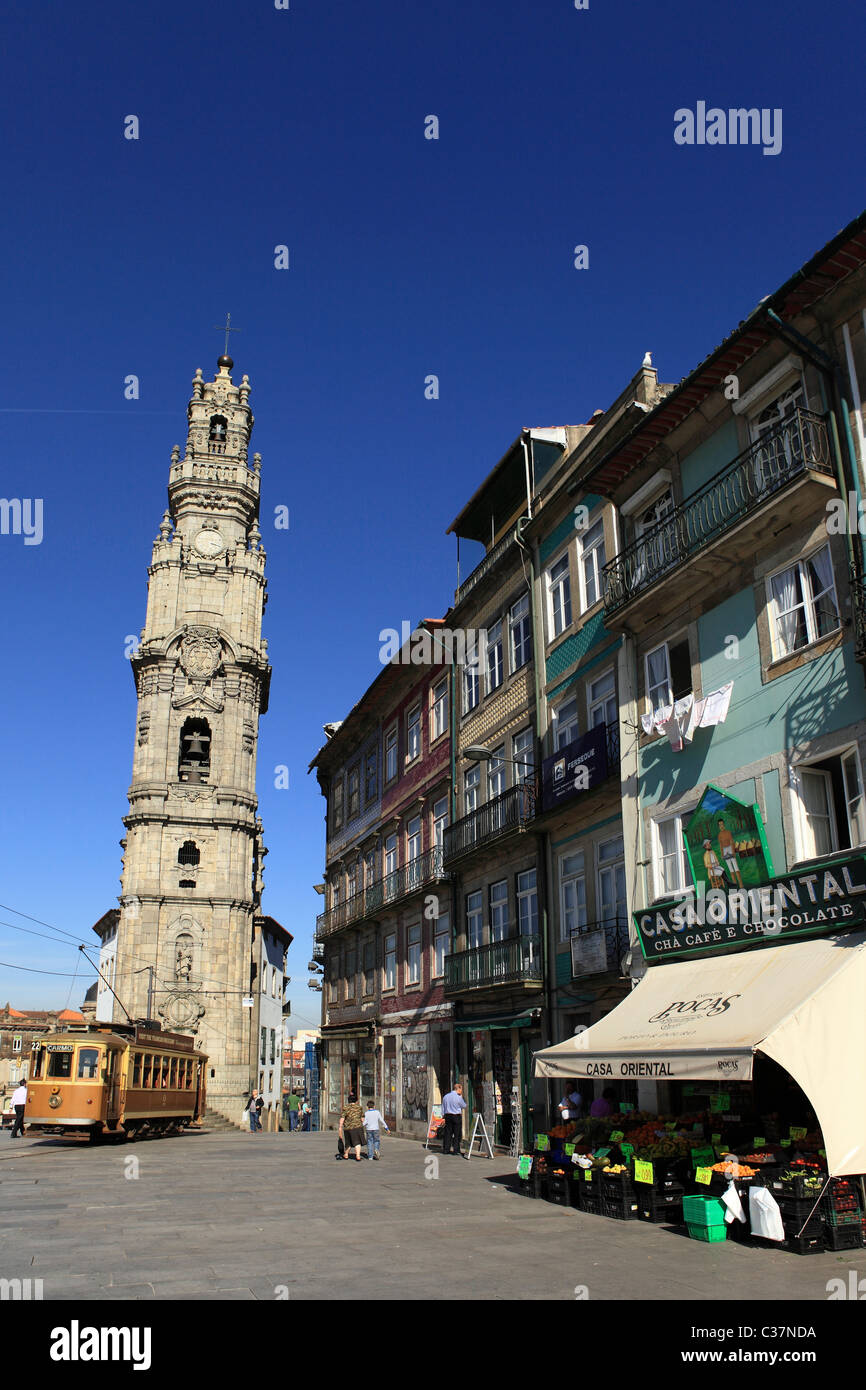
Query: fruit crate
[559, 1190]
[711, 1234]
[587, 1200]
[617, 1185]
[794, 1226]
[841, 1204]
[666, 1206]
[805, 1245]
[624, 1207]
[793, 1187]
[798, 1208]
[703, 1211]
[531, 1186]
[845, 1237]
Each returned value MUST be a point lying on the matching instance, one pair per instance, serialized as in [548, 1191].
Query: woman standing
[352, 1126]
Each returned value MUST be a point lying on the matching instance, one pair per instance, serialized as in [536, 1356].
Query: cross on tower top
[227, 329]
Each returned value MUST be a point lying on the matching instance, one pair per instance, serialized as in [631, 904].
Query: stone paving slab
[214, 1217]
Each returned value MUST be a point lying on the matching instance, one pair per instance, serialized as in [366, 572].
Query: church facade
[189, 946]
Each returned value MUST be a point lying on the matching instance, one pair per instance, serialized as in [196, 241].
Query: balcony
[598, 947]
[725, 520]
[427, 868]
[858, 605]
[514, 962]
[481, 570]
[511, 811]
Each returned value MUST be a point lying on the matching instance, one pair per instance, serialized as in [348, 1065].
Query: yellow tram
[115, 1079]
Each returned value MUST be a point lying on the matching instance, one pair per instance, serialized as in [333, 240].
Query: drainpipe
[542, 837]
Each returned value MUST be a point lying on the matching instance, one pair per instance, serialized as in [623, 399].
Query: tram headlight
[55, 1100]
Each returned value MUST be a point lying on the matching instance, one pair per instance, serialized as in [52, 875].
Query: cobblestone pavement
[241, 1216]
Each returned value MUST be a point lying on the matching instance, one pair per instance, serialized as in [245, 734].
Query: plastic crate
[668, 1213]
[531, 1186]
[793, 1187]
[622, 1209]
[805, 1245]
[703, 1211]
[589, 1202]
[712, 1234]
[844, 1237]
[797, 1208]
[793, 1226]
[559, 1190]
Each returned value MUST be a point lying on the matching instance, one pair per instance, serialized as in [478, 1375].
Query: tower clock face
[209, 543]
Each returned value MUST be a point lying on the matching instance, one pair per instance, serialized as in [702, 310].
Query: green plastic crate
[708, 1233]
[703, 1211]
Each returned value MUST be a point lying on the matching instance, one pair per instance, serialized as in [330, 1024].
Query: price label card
[602, 1153]
[785, 1143]
[703, 1175]
[542, 1142]
[798, 1133]
[627, 1151]
[643, 1172]
[524, 1165]
[569, 1148]
[587, 1175]
[760, 1143]
[715, 1139]
[625, 1106]
[617, 1134]
[719, 1102]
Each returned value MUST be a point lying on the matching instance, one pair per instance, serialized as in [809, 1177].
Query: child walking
[373, 1121]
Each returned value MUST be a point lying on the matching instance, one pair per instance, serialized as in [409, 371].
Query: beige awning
[803, 1005]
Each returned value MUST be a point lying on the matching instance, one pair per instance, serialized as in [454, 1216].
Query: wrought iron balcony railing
[512, 810]
[484, 566]
[426, 868]
[858, 604]
[515, 961]
[597, 947]
[796, 446]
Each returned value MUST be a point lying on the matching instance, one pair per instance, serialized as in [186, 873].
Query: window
[413, 734]
[337, 804]
[471, 687]
[496, 773]
[217, 431]
[273, 982]
[441, 942]
[370, 867]
[559, 597]
[523, 754]
[413, 955]
[334, 979]
[264, 1046]
[391, 754]
[88, 1063]
[439, 710]
[389, 972]
[440, 821]
[779, 449]
[273, 1045]
[194, 761]
[611, 904]
[572, 895]
[16, 1042]
[493, 662]
[354, 791]
[527, 904]
[803, 606]
[592, 561]
[499, 910]
[136, 1070]
[370, 778]
[369, 967]
[351, 881]
[264, 978]
[668, 673]
[335, 892]
[474, 921]
[390, 865]
[349, 971]
[147, 1072]
[520, 633]
[413, 852]
[669, 857]
[172, 1078]
[188, 853]
[829, 805]
[471, 784]
[601, 698]
[565, 726]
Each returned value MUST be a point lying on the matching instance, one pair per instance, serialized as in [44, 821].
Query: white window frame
[573, 876]
[589, 553]
[474, 939]
[441, 942]
[669, 690]
[391, 751]
[413, 734]
[413, 840]
[389, 962]
[497, 773]
[525, 895]
[773, 615]
[571, 728]
[439, 710]
[440, 821]
[558, 592]
[523, 754]
[520, 620]
[801, 829]
[498, 909]
[494, 658]
[471, 791]
[413, 954]
[600, 701]
[471, 687]
[659, 888]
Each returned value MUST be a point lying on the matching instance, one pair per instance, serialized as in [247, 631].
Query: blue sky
[408, 257]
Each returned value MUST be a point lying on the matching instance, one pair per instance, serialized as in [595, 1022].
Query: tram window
[189, 1073]
[136, 1069]
[172, 1080]
[88, 1063]
[36, 1064]
[165, 1073]
[60, 1064]
[145, 1081]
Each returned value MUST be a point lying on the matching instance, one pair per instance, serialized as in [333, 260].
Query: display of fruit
[735, 1170]
[615, 1168]
[814, 1182]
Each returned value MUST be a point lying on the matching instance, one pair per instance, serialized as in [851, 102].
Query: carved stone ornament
[200, 653]
[192, 791]
[181, 1010]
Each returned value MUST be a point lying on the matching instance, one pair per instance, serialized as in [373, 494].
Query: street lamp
[477, 753]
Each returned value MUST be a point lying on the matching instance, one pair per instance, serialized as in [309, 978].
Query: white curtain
[785, 596]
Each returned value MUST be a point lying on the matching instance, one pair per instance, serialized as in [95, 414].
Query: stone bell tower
[193, 852]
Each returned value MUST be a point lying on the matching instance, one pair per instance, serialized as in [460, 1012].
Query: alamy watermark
[736, 126]
[453, 646]
[22, 516]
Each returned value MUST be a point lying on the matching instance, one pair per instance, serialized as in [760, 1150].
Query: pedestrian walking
[453, 1106]
[294, 1109]
[19, 1100]
[352, 1127]
[307, 1116]
[373, 1122]
[255, 1105]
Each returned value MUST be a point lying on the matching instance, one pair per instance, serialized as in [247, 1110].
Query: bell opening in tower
[195, 742]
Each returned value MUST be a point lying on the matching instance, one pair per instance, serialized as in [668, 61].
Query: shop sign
[589, 953]
[826, 898]
[577, 767]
